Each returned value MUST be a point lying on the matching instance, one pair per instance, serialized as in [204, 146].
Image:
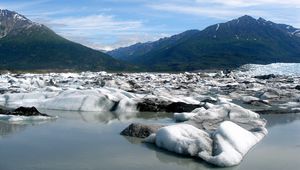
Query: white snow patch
[218, 26]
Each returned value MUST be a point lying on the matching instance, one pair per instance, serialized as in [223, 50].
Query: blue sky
[109, 24]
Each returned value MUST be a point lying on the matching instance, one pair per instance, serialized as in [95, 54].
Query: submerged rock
[140, 130]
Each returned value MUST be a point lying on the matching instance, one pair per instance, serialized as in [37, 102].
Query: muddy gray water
[91, 141]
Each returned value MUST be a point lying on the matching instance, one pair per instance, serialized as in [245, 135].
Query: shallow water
[91, 141]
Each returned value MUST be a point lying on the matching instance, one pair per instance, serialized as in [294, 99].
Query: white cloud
[125, 40]
[107, 27]
[247, 3]
[95, 22]
[104, 32]
[207, 11]
[121, 40]
[21, 5]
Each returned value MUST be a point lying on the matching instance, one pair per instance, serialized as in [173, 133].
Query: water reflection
[9, 128]
[107, 117]
[179, 160]
[280, 119]
[84, 140]
[6, 129]
[167, 157]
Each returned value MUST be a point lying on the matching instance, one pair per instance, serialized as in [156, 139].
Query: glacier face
[287, 69]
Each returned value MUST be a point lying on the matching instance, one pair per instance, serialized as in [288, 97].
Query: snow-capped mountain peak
[12, 22]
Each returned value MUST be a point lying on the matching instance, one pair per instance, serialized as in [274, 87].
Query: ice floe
[226, 146]
[218, 108]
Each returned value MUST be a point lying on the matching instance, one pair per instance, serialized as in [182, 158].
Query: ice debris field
[217, 114]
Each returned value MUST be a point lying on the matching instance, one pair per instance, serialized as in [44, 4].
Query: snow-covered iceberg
[221, 134]
[226, 146]
[102, 99]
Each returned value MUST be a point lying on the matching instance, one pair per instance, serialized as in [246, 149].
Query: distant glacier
[287, 69]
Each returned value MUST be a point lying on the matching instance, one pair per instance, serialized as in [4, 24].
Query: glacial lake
[91, 141]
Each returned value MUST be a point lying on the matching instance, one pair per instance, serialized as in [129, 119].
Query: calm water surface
[91, 141]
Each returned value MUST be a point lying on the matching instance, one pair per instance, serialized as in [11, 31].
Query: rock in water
[24, 114]
[140, 130]
[23, 111]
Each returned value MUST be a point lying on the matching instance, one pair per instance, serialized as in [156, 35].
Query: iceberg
[224, 147]
[181, 138]
[222, 134]
[74, 100]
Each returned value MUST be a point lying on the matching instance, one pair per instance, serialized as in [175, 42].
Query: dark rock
[258, 102]
[23, 111]
[115, 106]
[227, 71]
[181, 107]
[140, 130]
[265, 77]
[297, 87]
[149, 105]
[208, 100]
[120, 74]
[276, 111]
[133, 84]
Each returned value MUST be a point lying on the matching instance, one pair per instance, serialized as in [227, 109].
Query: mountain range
[226, 45]
[26, 45]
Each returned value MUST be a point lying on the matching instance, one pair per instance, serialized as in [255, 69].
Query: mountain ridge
[225, 45]
[26, 45]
